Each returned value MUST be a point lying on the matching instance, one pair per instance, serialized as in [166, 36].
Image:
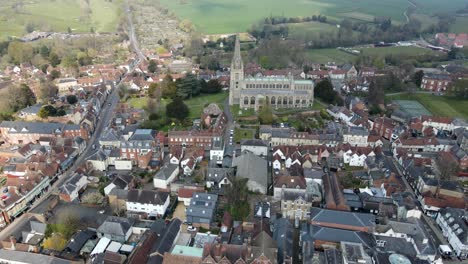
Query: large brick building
[383, 126]
[435, 82]
[17, 132]
[192, 138]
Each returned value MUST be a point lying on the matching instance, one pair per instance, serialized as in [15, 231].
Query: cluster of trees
[178, 91]
[237, 195]
[228, 43]
[50, 110]
[20, 97]
[58, 234]
[275, 53]
[459, 88]
[285, 20]
[324, 91]
[355, 32]
[277, 26]
[185, 88]
[20, 52]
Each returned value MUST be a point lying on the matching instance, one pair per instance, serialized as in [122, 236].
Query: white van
[445, 251]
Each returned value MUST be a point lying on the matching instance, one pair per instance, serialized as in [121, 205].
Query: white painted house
[165, 176]
[453, 223]
[151, 203]
[256, 146]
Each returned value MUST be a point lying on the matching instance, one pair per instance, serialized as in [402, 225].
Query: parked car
[191, 228]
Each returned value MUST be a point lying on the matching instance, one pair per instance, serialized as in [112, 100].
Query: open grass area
[330, 55]
[58, 15]
[237, 112]
[405, 51]
[438, 105]
[195, 104]
[243, 133]
[460, 25]
[227, 16]
[301, 30]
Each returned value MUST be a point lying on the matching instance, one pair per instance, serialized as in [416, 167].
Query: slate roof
[119, 193]
[396, 244]
[457, 220]
[122, 181]
[252, 167]
[414, 229]
[12, 256]
[165, 172]
[79, 240]
[333, 256]
[70, 185]
[338, 235]
[109, 135]
[283, 235]
[217, 174]
[32, 127]
[147, 197]
[115, 225]
[99, 155]
[202, 205]
[143, 135]
[342, 217]
[254, 142]
[33, 109]
[165, 241]
[361, 131]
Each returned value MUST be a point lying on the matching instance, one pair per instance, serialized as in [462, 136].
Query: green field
[195, 104]
[460, 25]
[404, 51]
[227, 16]
[438, 105]
[302, 30]
[58, 15]
[330, 55]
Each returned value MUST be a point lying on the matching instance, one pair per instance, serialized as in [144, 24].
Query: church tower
[237, 74]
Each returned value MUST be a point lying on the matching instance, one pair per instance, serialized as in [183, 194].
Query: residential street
[429, 224]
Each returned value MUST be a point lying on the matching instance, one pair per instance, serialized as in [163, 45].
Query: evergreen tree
[177, 109]
[188, 86]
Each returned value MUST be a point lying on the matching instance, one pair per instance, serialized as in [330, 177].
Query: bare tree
[447, 169]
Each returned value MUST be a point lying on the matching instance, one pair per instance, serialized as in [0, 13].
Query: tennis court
[412, 108]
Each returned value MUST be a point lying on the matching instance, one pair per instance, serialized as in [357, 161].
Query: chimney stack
[13, 242]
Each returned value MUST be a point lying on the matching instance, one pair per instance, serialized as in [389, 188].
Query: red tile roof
[188, 192]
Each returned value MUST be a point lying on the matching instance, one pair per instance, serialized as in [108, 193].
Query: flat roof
[187, 251]
[101, 246]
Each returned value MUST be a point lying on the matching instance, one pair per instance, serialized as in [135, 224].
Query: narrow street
[429, 224]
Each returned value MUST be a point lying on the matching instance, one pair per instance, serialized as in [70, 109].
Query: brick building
[435, 82]
[383, 126]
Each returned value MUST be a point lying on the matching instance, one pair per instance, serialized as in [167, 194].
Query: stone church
[278, 91]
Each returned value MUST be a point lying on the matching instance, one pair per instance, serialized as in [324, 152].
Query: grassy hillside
[57, 15]
[225, 16]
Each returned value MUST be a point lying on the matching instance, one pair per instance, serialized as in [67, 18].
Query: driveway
[180, 211]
